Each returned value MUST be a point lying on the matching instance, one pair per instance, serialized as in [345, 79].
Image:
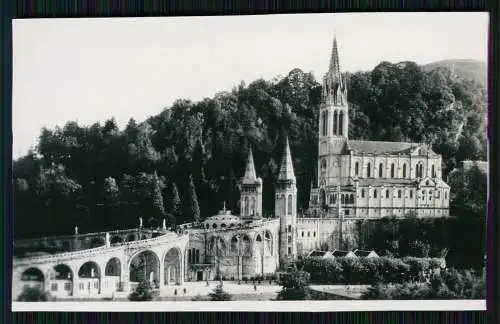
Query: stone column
[125, 277]
[240, 267]
[181, 270]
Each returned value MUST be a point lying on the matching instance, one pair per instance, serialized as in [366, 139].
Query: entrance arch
[61, 281]
[89, 278]
[172, 267]
[112, 274]
[145, 266]
[33, 278]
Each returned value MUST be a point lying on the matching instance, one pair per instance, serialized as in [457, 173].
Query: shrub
[143, 292]
[295, 285]
[33, 294]
[219, 294]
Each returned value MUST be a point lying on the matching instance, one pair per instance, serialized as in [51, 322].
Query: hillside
[469, 69]
[185, 163]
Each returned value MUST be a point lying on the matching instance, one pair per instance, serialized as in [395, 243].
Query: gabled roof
[377, 182]
[379, 147]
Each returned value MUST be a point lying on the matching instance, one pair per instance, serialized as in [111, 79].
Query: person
[255, 287]
[184, 291]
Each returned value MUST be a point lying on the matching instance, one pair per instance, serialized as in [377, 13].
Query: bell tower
[333, 118]
[286, 207]
[251, 192]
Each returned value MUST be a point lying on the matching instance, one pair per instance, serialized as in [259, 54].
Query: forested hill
[470, 69]
[186, 161]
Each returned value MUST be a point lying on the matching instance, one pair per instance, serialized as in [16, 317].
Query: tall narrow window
[335, 123]
[387, 193]
[392, 170]
[375, 193]
[246, 205]
[356, 168]
[380, 170]
[368, 170]
[411, 193]
[290, 204]
[399, 193]
[341, 123]
[433, 171]
[404, 170]
[325, 123]
[362, 193]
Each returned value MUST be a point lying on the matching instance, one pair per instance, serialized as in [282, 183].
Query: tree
[295, 285]
[143, 292]
[173, 204]
[219, 294]
[193, 207]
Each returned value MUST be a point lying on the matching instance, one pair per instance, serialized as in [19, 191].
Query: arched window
[446, 195]
[433, 171]
[404, 170]
[302, 233]
[387, 193]
[290, 204]
[308, 234]
[331, 200]
[341, 123]
[362, 193]
[342, 201]
[375, 193]
[399, 193]
[335, 125]
[325, 123]
[411, 193]
[368, 170]
[190, 257]
[380, 170]
[392, 170]
[419, 170]
[214, 225]
[356, 168]
[335, 198]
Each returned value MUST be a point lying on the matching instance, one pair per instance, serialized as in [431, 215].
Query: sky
[90, 70]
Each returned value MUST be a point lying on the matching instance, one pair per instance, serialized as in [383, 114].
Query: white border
[254, 306]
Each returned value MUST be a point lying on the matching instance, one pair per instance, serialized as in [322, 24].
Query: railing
[66, 237]
[98, 249]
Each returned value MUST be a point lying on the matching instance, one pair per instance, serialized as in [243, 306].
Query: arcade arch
[172, 267]
[145, 266]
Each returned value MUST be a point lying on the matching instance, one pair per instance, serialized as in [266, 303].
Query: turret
[286, 207]
[251, 192]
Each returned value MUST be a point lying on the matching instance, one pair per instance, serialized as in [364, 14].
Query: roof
[379, 147]
[286, 168]
[363, 253]
[377, 182]
[250, 176]
[339, 254]
[317, 253]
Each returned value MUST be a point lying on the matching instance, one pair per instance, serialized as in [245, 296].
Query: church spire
[334, 76]
[286, 169]
[250, 175]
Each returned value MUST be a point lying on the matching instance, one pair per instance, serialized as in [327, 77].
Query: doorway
[199, 276]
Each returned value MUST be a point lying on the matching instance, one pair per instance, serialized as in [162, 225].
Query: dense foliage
[428, 237]
[185, 162]
[368, 271]
[449, 284]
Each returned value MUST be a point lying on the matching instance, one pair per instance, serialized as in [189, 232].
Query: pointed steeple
[334, 76]
[286, 168]
[250, 175]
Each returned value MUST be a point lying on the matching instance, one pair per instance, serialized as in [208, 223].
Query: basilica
[356, 180]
